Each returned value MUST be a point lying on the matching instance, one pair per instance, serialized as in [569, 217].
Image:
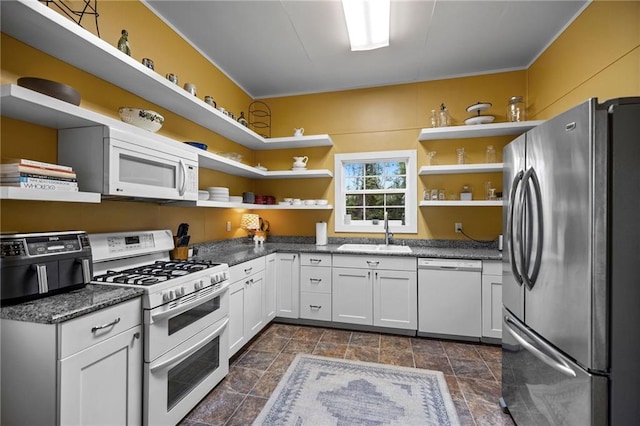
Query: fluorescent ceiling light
[367, 23]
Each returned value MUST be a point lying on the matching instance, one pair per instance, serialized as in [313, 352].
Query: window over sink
[368, 184]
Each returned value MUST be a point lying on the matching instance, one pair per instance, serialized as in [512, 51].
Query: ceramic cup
[209, 100]
[191, 88]
[172, 78]
[298, 131]
[148, 63]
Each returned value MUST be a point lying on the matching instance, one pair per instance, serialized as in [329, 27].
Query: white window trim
[395, 226]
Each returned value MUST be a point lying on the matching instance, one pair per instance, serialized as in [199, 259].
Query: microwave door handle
[183, 171]
[510, 228]
[86, 270]
[187, 352]
[43, 284]
[544, 354]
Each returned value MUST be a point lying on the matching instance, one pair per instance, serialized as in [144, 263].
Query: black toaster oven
[36, 265]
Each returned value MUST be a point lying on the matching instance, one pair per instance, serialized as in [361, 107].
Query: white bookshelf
[13, 193]
[460, 168]
[460, 203]
[477, 130]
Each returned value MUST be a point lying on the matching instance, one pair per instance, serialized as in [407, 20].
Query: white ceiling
[275, 48]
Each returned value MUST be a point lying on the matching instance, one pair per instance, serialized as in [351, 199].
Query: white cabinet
[246, 302]
[287, 285]
[375, 290]
[315, 286]
[84, 371]
[492, 299]
[270, 288]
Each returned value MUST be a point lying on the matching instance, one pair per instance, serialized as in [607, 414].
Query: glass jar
[434, 118]
[490, 154]
[460, 155]
[516, 109]
[466, 194]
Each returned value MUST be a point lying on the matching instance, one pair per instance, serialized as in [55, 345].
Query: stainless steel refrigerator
[571, 269]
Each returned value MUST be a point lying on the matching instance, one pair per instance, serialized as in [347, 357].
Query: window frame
[410, 192]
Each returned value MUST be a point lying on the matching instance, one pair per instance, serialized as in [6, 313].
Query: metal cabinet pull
[373, 262]
[315, 260]
[315, 280]
[249, 281]
[100, 327]
[248, 270]
[315, 306]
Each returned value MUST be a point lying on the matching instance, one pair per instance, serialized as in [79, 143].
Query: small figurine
[123, 43]
[243, 120]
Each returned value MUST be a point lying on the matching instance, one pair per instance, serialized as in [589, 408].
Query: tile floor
[473, 371]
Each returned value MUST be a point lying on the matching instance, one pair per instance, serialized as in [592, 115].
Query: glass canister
[516, 109]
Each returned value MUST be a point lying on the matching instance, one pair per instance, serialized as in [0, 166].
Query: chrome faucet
[387, 234]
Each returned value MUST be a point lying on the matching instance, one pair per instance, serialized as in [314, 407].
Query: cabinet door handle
[373, 262]
[315, 306]
[248, 270]
[315, 280]
[100, 327]
[249, 281]
[315, 260]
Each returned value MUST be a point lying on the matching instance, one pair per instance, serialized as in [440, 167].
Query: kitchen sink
[375, 248]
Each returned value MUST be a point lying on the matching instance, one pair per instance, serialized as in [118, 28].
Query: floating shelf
[222, 204]
[27, 105]
[44, 29]
[460, 168]
[13, 193]
[477, 130]
[458, 203]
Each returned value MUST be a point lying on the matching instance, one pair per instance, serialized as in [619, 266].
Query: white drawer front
[315, 259]
[375, 262]
[315, 280]
[244, 269]
[77, 333]
[315, 306]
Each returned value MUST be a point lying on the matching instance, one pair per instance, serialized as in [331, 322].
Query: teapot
[300, 162]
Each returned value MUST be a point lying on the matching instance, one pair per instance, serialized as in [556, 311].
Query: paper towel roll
[321, 233]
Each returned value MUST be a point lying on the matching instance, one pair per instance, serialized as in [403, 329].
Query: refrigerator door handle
[544, 353]
[531, 175]
[510, 234]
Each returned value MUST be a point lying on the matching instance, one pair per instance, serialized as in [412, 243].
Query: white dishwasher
[450, 298]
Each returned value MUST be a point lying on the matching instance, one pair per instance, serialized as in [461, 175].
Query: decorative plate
[480, 119]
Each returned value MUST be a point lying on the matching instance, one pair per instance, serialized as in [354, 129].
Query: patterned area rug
[327, 391]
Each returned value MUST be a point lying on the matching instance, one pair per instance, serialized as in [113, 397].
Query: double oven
[186, 315]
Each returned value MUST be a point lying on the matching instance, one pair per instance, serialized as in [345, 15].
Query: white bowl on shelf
[143, 118]
[309, 202]
[322, 202]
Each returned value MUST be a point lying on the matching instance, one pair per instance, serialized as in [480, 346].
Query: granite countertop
[63, 307]
[233, 254]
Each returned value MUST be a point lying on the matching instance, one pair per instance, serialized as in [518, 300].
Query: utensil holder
[180, 253]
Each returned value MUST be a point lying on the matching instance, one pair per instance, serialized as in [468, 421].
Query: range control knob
[168, 296]
[198, 285]
[215, 278]
[180, 291]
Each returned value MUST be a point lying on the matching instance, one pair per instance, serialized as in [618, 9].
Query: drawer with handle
[245, 269]
[85, 331]
[315, 259]
[316, 280]
[315, 306]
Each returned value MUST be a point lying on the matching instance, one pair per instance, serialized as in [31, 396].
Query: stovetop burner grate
[156, 272]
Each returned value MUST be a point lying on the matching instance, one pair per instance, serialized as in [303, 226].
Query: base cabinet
[270, 288]
[64, 374]
[492, 299]
[246, 302]
[288, 285]
[379, 291]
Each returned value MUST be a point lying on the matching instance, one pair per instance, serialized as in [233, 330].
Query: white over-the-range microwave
[121, 164]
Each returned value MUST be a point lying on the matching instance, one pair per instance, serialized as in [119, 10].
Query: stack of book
[31, 174]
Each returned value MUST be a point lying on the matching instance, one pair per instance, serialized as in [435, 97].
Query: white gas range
[185, 314]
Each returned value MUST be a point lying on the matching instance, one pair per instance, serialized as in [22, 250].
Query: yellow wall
[598, 55]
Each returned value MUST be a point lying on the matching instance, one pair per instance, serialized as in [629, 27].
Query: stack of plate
[235, 198]
[218, 193]
[203, 195]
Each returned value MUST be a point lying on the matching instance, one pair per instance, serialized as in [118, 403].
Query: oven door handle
[187, 352]
[185, 307]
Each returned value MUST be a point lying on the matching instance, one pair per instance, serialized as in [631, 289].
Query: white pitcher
[300, 162]
[298, 131]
